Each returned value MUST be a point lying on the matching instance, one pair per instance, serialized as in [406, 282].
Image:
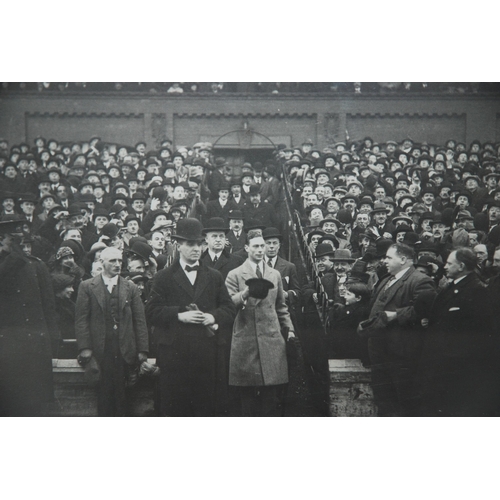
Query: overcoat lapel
[202, 281]
[182, 280]
[98, 288]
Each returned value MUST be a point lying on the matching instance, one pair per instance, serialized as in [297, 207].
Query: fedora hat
[215, 224]
[343, 255]
[259, 287]
[189, 230]
[379, 206]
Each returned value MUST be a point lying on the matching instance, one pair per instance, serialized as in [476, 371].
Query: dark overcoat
[28, 326]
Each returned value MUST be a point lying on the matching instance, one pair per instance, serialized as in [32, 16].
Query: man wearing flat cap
[258, 363]
[28, 328]
[188, 307]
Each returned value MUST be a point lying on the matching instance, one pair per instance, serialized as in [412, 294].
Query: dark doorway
[244, 145]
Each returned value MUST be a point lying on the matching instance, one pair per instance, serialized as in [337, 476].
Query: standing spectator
[111, 326]
[188, 306]
[258, 362]
[395, 355]
[28, 327]
[457, 358]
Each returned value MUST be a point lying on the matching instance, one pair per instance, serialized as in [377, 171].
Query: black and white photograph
[197, 223]
[250, 249]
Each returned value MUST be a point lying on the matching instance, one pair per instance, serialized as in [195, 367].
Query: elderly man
[458, 359]
[395, 354]
[258, 363]
[110, 326]
[28, 327]
[188, 307]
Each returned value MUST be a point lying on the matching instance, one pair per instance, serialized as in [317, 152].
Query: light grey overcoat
[258, 350]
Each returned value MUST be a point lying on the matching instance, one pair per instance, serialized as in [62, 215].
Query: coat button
[115, 327]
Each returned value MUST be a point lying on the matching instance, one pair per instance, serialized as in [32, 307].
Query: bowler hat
[110, 230]
[235, 214]
[324, 249]
[271, 232]
[259, 287]
[131, 217]
[358, 273]
[215, 224]
[27, 197]
[189, 230]
[253, 224]
[141, 249]
[330, 237]
[254, 189]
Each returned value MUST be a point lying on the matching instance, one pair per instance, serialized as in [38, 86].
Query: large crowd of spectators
[258, 87]
[353, 202]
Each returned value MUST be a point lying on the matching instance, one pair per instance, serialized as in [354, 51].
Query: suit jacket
[270, 191]
[289, 276]
[258, 349]
[214, 209]
[90, 319]
[225, 263]
[403, 335]
[172, 292]
[461, 321]
[264, 213]
[237, 243]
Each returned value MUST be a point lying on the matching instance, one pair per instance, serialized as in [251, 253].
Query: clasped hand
[196, 317]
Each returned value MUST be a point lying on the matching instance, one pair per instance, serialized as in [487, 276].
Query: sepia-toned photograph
[249, 249]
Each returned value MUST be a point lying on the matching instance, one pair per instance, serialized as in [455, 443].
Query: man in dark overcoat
[110, 325]
[394, 356]
[188, 307]
[28, 327]
[458, 364]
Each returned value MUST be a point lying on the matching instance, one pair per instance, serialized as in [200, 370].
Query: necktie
[259, 272]
[389, 283]
[270, 263]
[215, 258]
[188, 269]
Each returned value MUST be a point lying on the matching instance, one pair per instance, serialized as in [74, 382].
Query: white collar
[458, 280]
[110, 281]
[254, 266]
[213, 254]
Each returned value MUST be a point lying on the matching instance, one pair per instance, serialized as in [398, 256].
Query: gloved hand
[84, 356]
[143, 357]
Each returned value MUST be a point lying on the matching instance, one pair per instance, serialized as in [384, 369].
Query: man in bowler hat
[188, 307]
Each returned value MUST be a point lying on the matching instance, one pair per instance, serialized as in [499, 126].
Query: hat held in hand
[259, 287]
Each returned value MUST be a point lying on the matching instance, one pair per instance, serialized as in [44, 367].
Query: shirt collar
[110, 281]
[254, 265]
[458, 280]
[401, 273]
[213, 254]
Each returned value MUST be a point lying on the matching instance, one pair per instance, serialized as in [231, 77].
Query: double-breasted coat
[258, 349]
